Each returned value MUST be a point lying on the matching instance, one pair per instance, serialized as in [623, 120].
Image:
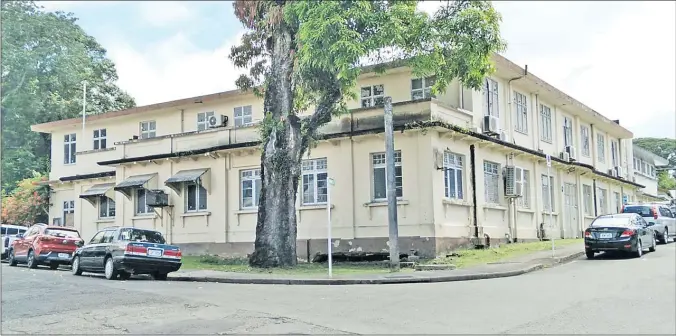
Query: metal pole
[84, 105]
[391, 186]
[328, 212]
[551, 203]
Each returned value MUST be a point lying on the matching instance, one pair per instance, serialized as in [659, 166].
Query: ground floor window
[142, 207]
[106, 207]
[492, 182]
[195, 197]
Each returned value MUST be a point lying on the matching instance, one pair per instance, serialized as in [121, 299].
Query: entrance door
[570, 197]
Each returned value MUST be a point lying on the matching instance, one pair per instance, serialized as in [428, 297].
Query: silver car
[659, 217]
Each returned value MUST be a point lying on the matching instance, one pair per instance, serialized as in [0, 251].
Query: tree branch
[16, 88]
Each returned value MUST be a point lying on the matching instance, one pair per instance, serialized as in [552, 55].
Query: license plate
[606, 235]
[64, 255]
[154, 253]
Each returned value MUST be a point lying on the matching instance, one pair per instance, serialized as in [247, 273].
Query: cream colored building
[645, 167]
[451, 161]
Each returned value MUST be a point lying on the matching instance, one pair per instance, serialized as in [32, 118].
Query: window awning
[92, 194]
[192, 175]
[133, 182]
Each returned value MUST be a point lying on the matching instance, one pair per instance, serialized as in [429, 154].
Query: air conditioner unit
[564, 156]
[612, 172]
[571, 152]
[491, 125]
[503, 136]
[513, 181]
[157, 198]
[618, 171]
[476, 130]
[217, 121]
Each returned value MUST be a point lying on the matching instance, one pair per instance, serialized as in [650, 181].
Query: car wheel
[75, 268]
[639, 250]
[653, 247]
[589, 253]
[10, 258]
[53, 266]
[125, 275]
[160, 276]
[31, 263]
[665, 237]
[110, 271]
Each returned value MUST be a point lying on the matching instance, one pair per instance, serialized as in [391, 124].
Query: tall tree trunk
[280, 162]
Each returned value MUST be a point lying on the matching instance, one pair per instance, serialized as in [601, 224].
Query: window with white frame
[141, 204]
[243, 115]
[68, 208]
[100, 139]
[372, 95]
[203, 120]
[601, 147]
[584, 130]
[524, 200]
[567, 131]
[422, 87]
[644, 167]
[635, 164]
[380, 176]
[492, 182]
[603, 201]
[148, 129]
[546, 123]
[250, 185]
[195, 197]
[618, 202]
[547, 193]
[491, 98]
[69, 148]
[453, 178]
[521, 112]
[588, 200]
[106, 207]
[614, 155]
[315, 178]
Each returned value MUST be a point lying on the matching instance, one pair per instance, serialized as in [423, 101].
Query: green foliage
[28, 203]
[665, 148]
[665, 181]
[45, 58]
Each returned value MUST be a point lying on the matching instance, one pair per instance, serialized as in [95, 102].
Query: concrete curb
[538, 265]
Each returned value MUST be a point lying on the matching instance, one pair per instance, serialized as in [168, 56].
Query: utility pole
[391, 187]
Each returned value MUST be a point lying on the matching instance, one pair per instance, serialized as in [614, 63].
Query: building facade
[645, 167]
[470, 165]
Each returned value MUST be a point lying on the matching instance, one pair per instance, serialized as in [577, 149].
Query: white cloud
[70, 5]
[164, 13]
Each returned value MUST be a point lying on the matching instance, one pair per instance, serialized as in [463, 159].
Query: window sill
[588, 217]
[380, 203]
[95, 151]
[196, 214]
[455, 201]
[314, 207]
[546, 214]
[521, 132]
[247, 211]
[525, 210]
[547, 141]
[495, 207]
[141, 217]
[105, 220]
[70, 164]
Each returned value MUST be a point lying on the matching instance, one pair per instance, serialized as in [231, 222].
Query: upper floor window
[521, 113]
[69, 148]
[100, 138]
[203, 120]
[141, 204]
[636, 164]
[601, 144]
[422, 87]
[546, 124]
[148, 129]
[315, 178]
[567, 131]
[373, 95]
[250, 184]
[491, 101]
[106, 207]
[453, 181]
[195, 197]
[614, 155]
[584, 130]
[380, 176]
[492, 182]
[243, 115]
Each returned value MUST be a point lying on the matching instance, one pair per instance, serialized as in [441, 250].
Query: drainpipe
[182, 120]
[472, 168]
[594, 191]
[510, 101]
[536, 131]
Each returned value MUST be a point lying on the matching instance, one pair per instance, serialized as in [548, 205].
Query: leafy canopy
[27, 204]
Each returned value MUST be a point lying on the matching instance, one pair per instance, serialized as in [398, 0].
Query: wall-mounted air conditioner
[513, 181]
[612, 172]
[503, 136]
[564, 156]
[571, 152]
[491, 125]
[217, 121]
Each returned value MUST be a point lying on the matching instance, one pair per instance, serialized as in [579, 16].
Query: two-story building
[646, 165]
[469, 165]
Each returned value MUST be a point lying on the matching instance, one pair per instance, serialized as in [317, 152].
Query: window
[588, 200]
[524, 200]
[603, 201]
[243, 115]
[585, 140]
[148, 129]
[567, 131]
[315, 178]
[372, 95]
[380, 176]
[106, 207]
[548, 193]
[546, 125]
[100, 139]
[68, 208]
[492, 182]
[521, 112]
[422, 87]
[644, 166]
[453, 182]
[195, 197]
[108, 237]
[98, 238]
[618, 202]
[613, 153]
[636, 164]
[491, 100]
[142, 207]
[251, 188]
[69, 148]
[203, 120]
[601, 144]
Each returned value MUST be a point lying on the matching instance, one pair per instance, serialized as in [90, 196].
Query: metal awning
[133, 182]
[92, 194]
[200, 176]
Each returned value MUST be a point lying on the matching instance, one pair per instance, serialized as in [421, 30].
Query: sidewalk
[506, 268]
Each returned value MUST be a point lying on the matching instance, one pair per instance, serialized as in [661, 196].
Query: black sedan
[619, 233]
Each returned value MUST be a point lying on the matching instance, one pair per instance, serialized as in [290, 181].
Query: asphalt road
[603, 296]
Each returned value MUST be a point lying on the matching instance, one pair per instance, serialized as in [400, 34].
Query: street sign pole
[328, 214]
[551, 201]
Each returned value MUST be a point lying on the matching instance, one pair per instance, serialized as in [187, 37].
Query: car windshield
[610, 221]
[62, 233]
[643, 211]
[143, 236]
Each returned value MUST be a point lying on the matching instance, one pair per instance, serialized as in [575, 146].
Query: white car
[659, 218]
[9, 233]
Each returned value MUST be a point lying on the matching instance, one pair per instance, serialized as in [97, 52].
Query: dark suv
[123, 251]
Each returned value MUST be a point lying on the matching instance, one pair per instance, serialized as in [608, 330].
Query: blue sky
[619, 58]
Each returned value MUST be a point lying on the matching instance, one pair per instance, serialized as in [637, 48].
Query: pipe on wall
[472, 168]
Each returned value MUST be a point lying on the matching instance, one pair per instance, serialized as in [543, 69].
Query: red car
[44, 244]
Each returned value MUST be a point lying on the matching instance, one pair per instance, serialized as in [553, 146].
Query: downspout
[354, 206]
[595, 206]
[472, 168]
[510, 102]
[536, 115]
[182, 120]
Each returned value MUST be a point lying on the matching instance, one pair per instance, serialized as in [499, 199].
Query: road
[601, 296]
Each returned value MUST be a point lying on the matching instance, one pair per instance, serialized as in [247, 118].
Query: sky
[619, 58]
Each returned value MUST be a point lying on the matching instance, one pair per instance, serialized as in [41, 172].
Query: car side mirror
[79, 243]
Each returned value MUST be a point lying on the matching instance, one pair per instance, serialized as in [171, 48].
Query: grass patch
[466, 258]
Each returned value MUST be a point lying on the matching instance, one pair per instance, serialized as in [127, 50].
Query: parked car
[123, 251]
[9, 234]
[619, 232]
[658, 216]
[45, 244]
